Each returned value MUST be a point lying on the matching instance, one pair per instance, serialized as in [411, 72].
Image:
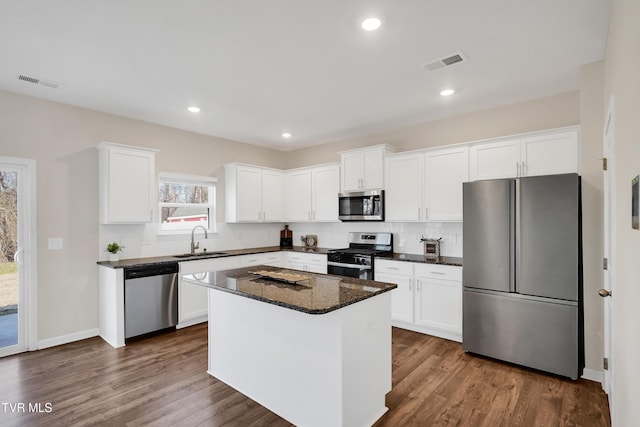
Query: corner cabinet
[428, 298]
[126, 184]
[253, 194]
[363, 169]
[312, 194]
[541, 153]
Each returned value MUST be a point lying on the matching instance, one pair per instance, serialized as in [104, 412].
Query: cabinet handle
[410, 281]
[313, 215]
[517, 168]
[523, 169]
[419, 217]
[426, 213]
[392, 268]
[418, 285]
[438, 272]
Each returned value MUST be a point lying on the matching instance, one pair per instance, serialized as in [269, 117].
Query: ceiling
[257, 68]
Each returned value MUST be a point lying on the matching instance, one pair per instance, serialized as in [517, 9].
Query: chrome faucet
[194, 245]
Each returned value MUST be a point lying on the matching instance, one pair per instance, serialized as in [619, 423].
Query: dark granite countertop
[443, 260]
[169, 259]
[318, 294]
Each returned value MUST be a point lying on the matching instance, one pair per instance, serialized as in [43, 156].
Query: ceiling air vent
[28, 79]
[444, 62]
[47, 83]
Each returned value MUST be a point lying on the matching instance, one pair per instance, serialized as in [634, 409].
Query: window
[186, 201]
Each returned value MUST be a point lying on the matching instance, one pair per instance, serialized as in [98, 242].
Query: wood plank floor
[162, 381]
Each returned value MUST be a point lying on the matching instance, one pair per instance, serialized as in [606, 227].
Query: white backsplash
[142, 241]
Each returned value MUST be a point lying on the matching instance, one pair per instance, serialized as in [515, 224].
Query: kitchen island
[313, 348]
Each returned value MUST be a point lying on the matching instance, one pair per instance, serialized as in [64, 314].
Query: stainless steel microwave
[361, 206]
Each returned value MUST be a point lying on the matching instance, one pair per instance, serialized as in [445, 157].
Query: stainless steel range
[357, 260]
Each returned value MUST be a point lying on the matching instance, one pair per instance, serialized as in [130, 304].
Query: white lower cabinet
[192, 299]
[428, 298]
[314, 263]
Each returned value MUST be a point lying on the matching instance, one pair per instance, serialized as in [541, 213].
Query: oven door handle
[356, 266]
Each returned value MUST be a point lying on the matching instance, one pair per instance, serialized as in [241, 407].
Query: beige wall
[622, 65]
[62, 139]
[544, 113]
[591, 118]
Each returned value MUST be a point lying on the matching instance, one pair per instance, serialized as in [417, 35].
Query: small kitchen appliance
[358, 259]
[431, 248]
[286, 237]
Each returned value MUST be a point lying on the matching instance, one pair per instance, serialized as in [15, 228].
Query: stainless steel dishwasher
[150, 298]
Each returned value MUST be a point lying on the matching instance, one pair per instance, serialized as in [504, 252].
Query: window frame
[177, 178]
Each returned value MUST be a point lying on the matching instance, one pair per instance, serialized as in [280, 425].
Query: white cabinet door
[495, 160]
[373, 162]
[548, 154]
[326, 186]
[248, 194]
[445, 171]
[352, 171]
[272, 192]
[127, 184]
[298, 195]
[315, 263]
[439, 304]
[404, 190]
[401, 297]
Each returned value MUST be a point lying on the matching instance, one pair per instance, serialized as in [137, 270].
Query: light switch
[55, 243]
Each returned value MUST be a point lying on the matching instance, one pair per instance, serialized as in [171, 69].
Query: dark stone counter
[316, 294]
[443, 260]
[168, 259]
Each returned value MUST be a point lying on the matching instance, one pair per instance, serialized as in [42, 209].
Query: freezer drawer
[526, 331]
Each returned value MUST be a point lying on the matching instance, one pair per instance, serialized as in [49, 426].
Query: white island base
[330, 369]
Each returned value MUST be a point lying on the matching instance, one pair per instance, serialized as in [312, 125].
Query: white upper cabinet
[445, 171]
[549, 153]
[363, 169]
[127, 184]
[312, 194]
[325, 183]
[542, 153]
[426, 186]
[404, 189]
[253, 194]
[298, 195]
[495, 160]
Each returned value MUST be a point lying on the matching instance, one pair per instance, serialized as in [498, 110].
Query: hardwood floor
[162, 380]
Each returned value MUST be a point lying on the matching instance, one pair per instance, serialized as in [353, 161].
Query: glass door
[8, 266]
[15, 190]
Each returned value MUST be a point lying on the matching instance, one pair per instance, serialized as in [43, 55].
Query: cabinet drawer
[393, 267]
[217, 264]
[314, 259]
[435, 271]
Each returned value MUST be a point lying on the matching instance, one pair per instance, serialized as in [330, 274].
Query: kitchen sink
[200, 254]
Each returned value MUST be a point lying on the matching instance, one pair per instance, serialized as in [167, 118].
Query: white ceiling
[259, 67]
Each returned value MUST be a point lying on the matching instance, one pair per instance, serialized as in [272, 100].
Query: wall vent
[47, 83]
[444, 62]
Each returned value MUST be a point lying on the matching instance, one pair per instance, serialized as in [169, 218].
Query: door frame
[27, 247]
[609, 250]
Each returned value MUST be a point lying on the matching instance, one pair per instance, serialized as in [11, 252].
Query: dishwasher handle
[150, 270]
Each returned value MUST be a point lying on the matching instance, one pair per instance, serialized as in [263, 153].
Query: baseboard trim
[66, 339]
[191, 322]
[593, 375]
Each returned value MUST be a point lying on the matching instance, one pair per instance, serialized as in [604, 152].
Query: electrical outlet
[55, 243]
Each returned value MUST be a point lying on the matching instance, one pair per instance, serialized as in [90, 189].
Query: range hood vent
[34, 80]
[444, 62]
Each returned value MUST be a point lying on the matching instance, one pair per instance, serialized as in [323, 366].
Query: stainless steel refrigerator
[522, 272]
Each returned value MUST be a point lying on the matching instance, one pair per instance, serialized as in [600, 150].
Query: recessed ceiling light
[447, 92]
[194, 109]
[371, 24]
[286, 135]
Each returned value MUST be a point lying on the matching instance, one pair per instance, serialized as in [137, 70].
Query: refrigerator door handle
[515, 243]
